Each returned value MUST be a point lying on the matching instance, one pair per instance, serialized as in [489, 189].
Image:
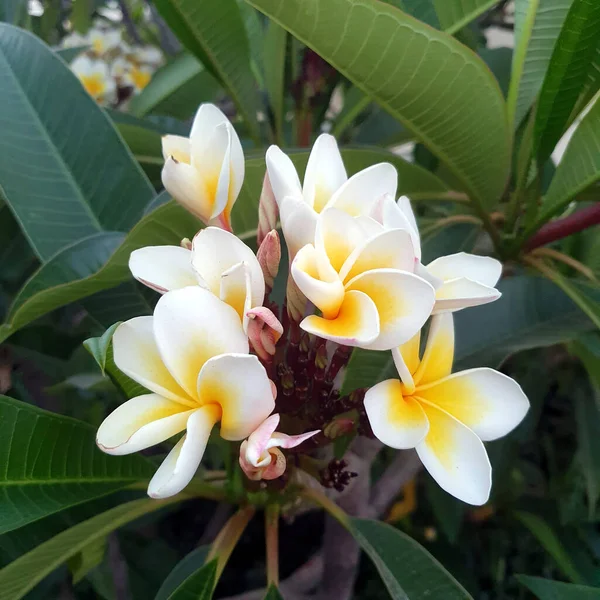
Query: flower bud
[267, 211]
[269, 257]
[264, 331]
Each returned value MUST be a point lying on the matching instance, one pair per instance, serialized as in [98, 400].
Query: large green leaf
[27, 571]
[274, 65]
[455, 14]
[214, 32]
[546, 589]
[65, 171]
[579, 167]
[454, 106]
[199, 585]
[50, 462]
[406, 568]
[273, 594]
[176, 90]
[538, 24]
[186, 567]
[567, 73]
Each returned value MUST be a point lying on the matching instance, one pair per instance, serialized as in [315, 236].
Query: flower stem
[329, 505]
[272, 541]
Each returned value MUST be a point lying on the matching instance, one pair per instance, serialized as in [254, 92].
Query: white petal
[404, 205]
[325, 172]
[282, 440]
[215, 251]
[137, 355]
[488, 402]
[236, 290]
[257, 442]
[403, 300]
[207, 118]
[238, 383]
[396, 421]
[180, 465]
[181, 181]
[370, 227]
[298, 222]
[282, 175]
[394, 217]
[481, 269]
[163, 268]
[141, 422]
[439, 351]
[176, 146]
[462, 293]
[358, 195]
[191, 326]
[456, 458]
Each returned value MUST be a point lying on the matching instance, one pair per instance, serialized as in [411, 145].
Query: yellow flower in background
[96, 78]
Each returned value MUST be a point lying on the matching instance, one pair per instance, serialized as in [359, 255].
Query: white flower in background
[74, 40]
[103, 40]
[147, 55]
[119, 67]
[217, 261]
[445, 417]
[138, 77]
[361, 279]
[260, 457]
[96, 79]
[205, 172]
[460, 280]
[192, 356]
[325, 185]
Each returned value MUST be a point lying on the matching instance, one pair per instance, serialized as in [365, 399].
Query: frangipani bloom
[360, 278]
[218, 261]
[103, 40]
[96, 78]
[460, 280]
[445, 417]
[205, 172]
[325, 185]
[192, 356]
[260, 457]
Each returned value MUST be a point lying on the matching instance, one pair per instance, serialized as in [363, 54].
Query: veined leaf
[199, 585]
[579, 167]
[176, 89]
[567, 73]
[546, 589]
[186, 567]
[274, 66]
[27, 571]
[50, 462]
[88, 558]
[214, 32]
[65, 172]
[69, 54]
[424, 10]
[454, 106]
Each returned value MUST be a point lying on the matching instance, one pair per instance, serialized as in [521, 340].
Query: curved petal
[403, 361]
[215, 251]
[391, 249]
[396, 421]
[180, 465]
[207, 118]
[137, 355]
[357, 322]
[163, 268]
[394, 217]
[403, 300]
[190, 327]
[176, 146]
[481, 269]
[141, 422]
[298, 222]
[456, 458]
[325, 172]
[369, 226]
[236, 290]
[238, 383]
[358, 195]
[326, 295]
[282, 440]
[486, 401]
[462, 293]
[282, 175]
[257, 443]
[439, 351]
[220, 147]
[181, 181]
[406, 208]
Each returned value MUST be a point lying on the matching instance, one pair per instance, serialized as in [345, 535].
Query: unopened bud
[264, 331]
[269, 257]
[268, 211]
[186, 243]
[338, 427]
[296, 301]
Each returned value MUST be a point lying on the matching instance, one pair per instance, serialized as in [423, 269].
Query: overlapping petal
[163, 268]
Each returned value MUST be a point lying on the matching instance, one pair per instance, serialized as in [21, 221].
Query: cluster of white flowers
[110, 69]
[355, 257]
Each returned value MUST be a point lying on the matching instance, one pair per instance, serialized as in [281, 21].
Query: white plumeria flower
[147, 55]
[138, 77]
[218, 261]
[96, 78]
[192, 356]
[445, 417]
[325, 185]
[103, 40]
[361, 279]
[260, 457]
[205, 172]
[460, 280]
[74, 40]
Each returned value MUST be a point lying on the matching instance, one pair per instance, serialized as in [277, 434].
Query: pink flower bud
[296, 301]
[268, 211]
[264, 331]
[269, 257]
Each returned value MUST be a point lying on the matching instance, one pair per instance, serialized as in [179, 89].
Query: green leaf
[579, 167]
[70, 54]
[214, 32]
[26, 572]
[546, 589]
[186, 567]
[454, 106]
[550, 542]
[406, 568]
[176, 89]
[274, 66]
[65, 173]
[567, 73]
[538, 25]
[273, 593]
[456, 14]
[199, 585]
[87, 559]
[98, 346]
[50, 462]
[11, 10]
[424, 10]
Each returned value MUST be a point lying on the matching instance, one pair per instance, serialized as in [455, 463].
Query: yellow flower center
[94, 84]
[98, 45]
[140, 78]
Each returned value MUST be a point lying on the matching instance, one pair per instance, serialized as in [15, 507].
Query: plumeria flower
[149, 55]
[445, 417]
[460, 280]
[205, 172]
[361, 279]
[192, 356]
[138, 77]
[325, 185]
[260, 457]
[218, 261]
[103, 40]
[96, 79]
